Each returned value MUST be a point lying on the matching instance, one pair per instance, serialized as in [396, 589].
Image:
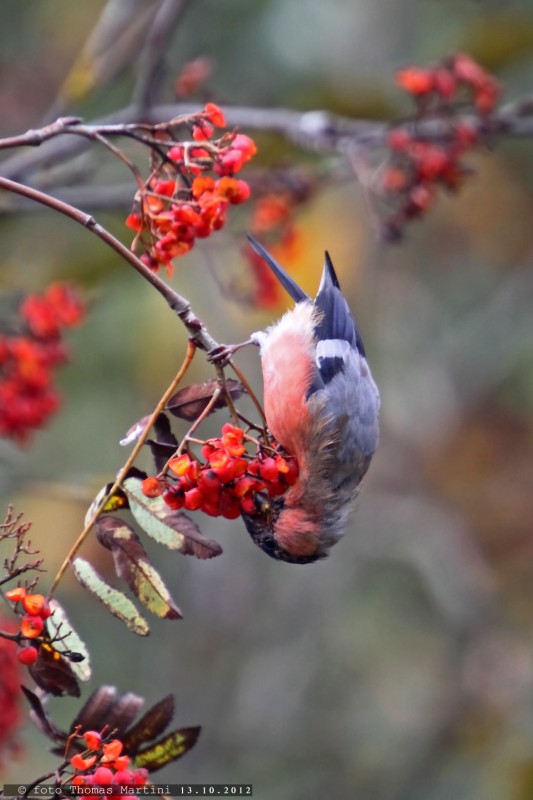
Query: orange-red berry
[174, 498]
[27, 655]
[193, 499]
[16, 595]
[416, 80]
[215, 115]
[31, 626]
[81, 763]
[151, 487]
[112, 750]
[93, 740]
[34, 604]
[120, 763]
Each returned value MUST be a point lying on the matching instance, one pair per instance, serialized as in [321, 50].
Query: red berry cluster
[28, 357]
[227, 482]
[102, 764]
[181, 200]
[32, 622]
[418, 166]
[458, 78]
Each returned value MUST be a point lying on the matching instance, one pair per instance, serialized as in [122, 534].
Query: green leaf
[68, 641]
[168, 749]
[115, 601]
[172, 528]
[133, 566]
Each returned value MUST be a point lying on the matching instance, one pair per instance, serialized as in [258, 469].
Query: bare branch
[314, 130]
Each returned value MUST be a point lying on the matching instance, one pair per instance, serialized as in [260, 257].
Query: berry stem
[250, 392]
[197, 422]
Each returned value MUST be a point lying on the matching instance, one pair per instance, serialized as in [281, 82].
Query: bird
[321, 405]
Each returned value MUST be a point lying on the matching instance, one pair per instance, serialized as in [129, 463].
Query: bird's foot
[223, 353]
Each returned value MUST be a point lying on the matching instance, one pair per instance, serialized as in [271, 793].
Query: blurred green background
[401, 667]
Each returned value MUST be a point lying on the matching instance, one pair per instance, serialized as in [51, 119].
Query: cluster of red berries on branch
[190, 188]
[227, 482]
[102, 764]
[29, 352]
[32, 623]
[456, 93]
[458, 79]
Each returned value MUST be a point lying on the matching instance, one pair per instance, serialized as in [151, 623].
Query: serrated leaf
[168, 749]
[151, 724]
[191, 401]
[68, 641]
[172, 528]
[53, 673]
[115, 601]
[133, 566]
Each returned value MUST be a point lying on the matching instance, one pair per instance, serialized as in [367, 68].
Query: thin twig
[196, 424]
[249, 390]
[191, 349]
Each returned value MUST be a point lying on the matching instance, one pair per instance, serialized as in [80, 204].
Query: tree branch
[313, 130]
[197, 331]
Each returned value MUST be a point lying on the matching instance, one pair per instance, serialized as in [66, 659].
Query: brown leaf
[151, 724]
[106, 707]
[195, 543]
[53, 673]
[133, 565]
[190, 401]
[93, 715]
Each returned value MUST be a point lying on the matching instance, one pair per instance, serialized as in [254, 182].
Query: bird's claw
[221, 354]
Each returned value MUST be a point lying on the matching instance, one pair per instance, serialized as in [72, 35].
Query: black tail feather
[286, 281]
